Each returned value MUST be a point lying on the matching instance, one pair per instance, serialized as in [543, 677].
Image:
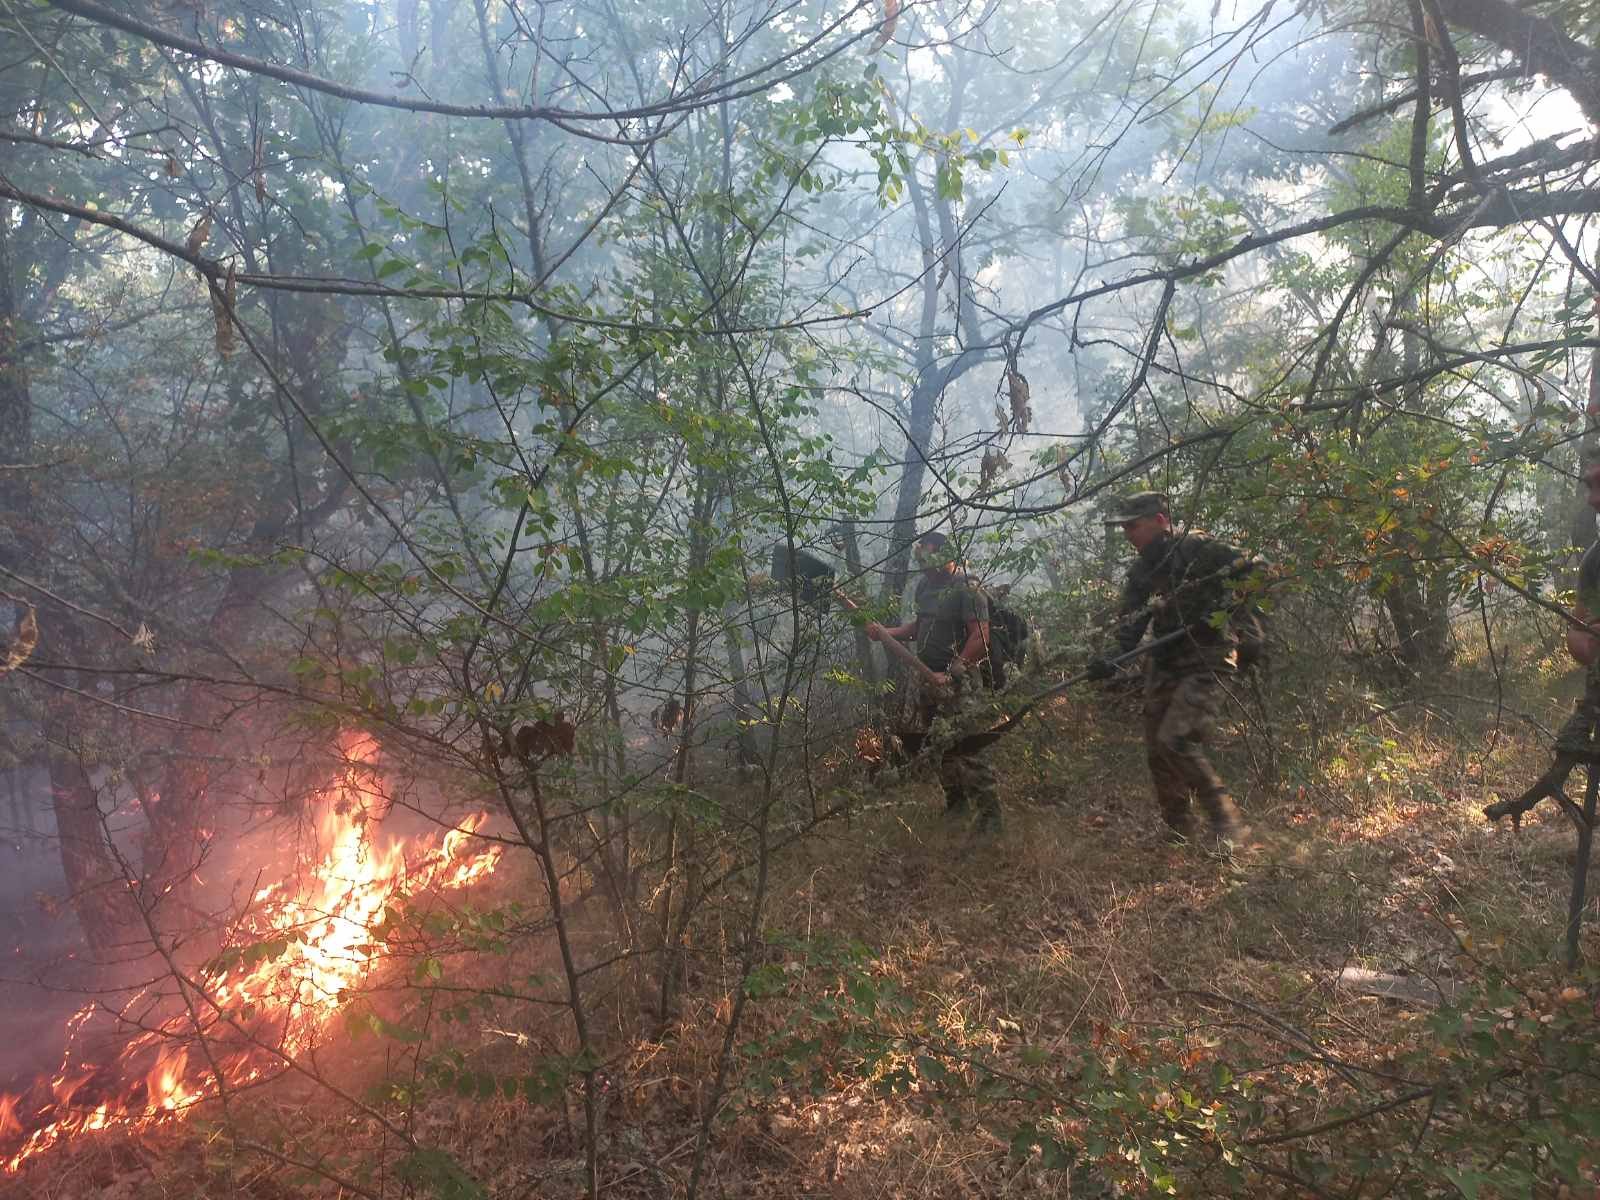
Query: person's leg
[952, 778]
[978, 778]
[1166, 776]
[1182, 733]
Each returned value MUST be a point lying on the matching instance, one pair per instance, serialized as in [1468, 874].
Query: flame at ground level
[268, 996]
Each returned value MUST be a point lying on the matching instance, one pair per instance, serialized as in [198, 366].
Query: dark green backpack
[1008, 641]
[1249, 626]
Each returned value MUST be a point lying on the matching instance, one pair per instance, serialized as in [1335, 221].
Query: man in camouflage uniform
[951, 633]
[1180, 582]
[1577, 735]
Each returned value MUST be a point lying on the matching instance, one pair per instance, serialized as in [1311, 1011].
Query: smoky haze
[466, 375]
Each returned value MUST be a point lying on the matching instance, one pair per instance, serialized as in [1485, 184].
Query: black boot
[989, 823]
[1179, 820]
[1226, 824]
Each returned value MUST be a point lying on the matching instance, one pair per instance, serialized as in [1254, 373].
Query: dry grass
[1076, 932]
[1080, 920]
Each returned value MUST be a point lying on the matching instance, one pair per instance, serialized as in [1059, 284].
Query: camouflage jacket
[1183, 581]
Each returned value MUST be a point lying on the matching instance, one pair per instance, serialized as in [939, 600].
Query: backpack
[1249, 626]
[1008, 641]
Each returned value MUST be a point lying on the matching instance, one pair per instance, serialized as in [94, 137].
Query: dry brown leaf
[200, 234]
[993, 463]
[543, 739]
[172, 167]
[258, 171]
[1021, 414]
[222, 317]
[22, 646]
[869, 746]
[891, 14]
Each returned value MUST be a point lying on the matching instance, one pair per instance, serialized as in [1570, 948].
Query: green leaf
[439, 1175]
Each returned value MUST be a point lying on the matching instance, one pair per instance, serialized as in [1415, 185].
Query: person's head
[932, 551]
[1590, 474]
[1143, 518]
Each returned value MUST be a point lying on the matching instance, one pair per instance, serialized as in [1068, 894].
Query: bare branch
[760, 78]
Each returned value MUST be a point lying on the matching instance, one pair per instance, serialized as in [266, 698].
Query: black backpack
[1249, 626]
[1008, 641]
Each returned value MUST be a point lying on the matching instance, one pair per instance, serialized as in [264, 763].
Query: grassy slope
[1003, 980]
[1080, 927]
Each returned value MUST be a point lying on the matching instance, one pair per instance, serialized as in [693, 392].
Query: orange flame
[301, 947]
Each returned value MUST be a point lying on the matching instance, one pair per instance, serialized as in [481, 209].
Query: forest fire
[266, 997]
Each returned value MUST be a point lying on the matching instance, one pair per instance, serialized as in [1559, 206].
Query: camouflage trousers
[1581, 731]
[1180, 708]
[968, 779]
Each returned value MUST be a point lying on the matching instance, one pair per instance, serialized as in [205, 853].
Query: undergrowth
[1074, 1009]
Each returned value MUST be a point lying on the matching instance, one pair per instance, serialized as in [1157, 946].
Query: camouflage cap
[1139, 504]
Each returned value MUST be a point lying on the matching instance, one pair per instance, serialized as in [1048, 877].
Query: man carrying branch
[1576, 742]
[1182, 583]
[1584, 643]
[951, 633]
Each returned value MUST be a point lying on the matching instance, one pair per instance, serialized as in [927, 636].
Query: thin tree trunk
[91, 875]
[1582, 524]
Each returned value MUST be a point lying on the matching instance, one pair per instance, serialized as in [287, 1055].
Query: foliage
[445, 373]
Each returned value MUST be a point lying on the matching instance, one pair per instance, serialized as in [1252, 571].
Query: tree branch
[564, 117]
[1541, 46]
[1397, 102]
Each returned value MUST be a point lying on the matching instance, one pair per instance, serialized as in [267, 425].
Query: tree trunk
[1582, 524]
[97, 889]
[1421, 624]
[95, 886]
[852, 562]
[16, 414]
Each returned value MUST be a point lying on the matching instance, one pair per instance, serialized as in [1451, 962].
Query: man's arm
[976, 648]
[1133, 616]
[1583, 644]
[1133, 610]
[899, 633]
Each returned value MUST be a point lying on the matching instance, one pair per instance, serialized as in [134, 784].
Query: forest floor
[934, 1011]
[1081, 927]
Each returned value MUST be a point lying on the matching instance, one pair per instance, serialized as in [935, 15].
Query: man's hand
[1100, 669]
[942, 679]
[874, 631]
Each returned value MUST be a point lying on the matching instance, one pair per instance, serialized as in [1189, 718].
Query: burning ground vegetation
[274, 998]
[1362, 1004]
